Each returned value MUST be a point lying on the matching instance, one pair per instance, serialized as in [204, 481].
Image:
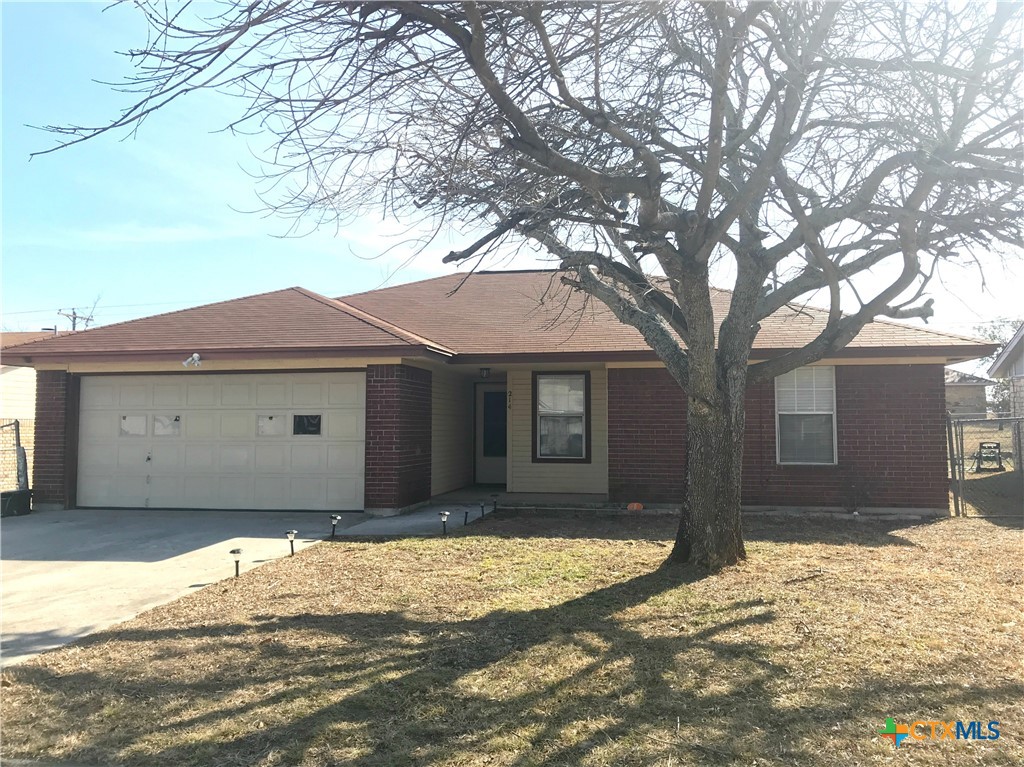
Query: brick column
[398, 432]
[55, 466]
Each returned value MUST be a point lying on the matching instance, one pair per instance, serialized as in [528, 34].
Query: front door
[491, 434]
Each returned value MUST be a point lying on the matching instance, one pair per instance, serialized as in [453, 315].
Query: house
[17, 403]
[381, 400]
[965, 393]
[1009, 363]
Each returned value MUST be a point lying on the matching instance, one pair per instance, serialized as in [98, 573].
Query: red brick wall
[890, 423]
[56, 432]
[646, 436]
[890, 426]
[398, 424]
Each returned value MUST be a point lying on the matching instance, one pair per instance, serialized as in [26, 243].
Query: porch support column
[55, 463]
[398, 437]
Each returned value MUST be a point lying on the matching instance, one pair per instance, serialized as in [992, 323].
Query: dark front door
[491, 434]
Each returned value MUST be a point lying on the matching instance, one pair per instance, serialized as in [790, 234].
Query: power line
[114, 306]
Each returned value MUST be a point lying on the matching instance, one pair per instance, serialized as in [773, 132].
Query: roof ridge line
[388, 327]
[160, 314]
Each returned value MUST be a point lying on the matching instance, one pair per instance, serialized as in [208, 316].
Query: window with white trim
[561, 416]
[805, 415]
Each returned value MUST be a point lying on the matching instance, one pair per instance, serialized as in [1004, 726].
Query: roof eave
[1002, 360]
[215, 353]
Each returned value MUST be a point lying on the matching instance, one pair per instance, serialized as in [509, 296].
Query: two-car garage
[222, 441]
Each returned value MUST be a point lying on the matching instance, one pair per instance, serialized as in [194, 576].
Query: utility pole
[74, 316]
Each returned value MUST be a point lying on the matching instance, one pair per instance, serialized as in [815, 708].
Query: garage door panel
[99, 396]
[271, 492]
[235, 394]
[200, 458]
[344, 492]
[168, 395]
[346, 394]
[345, 424]
[236, 457]
[307, 394]
[210, 442]
[166, 457]
[131, 491]
[98, 456]
[200, 425]
[96, 491]
[236, 425]
[271, 394]
[345, 459]
[236, 492]
[307, 458]
[201, 492]
[272, 457]
[307, 492]
[132, 457]
[201, 395]
[98, 426]
[134, 395]
[166, 491]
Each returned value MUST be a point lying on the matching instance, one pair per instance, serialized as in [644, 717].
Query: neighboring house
[1010, 364]
[965, 393]
[381, 400]
[17, 402]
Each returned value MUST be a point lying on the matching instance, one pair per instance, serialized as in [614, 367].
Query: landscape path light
[237, 554]
[444, 521]
[291, 539]
[335, 519]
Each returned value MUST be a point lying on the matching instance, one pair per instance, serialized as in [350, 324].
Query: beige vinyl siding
[17, 393]
[451, 440]
[524, 476]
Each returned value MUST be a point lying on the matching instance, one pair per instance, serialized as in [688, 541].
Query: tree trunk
[710, 535]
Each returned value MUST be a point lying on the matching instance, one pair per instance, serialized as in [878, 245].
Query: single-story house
[1010, 364]
[965, 393]
[17, 403]
[380, 400]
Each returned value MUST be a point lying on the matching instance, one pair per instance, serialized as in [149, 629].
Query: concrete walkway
[422, 522]
[67, 574]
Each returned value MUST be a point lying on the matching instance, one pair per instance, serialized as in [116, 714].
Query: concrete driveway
[69, 573]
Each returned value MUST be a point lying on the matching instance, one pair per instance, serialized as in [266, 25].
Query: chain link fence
[985, 467]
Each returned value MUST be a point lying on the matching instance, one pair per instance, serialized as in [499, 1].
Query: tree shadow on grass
[594, 679]
[661, 528]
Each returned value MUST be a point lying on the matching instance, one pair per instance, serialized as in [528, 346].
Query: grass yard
[527, 642]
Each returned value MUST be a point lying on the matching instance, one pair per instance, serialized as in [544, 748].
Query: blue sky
[157, 222]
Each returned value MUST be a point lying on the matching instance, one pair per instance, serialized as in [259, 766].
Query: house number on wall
[509, 400]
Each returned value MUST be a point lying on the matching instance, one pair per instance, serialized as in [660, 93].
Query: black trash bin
[15, 502]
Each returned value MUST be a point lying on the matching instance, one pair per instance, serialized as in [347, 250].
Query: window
[561, 424]
[270, 425]
[306, 425]
[133, 426]
[167, 426]
[805, 406]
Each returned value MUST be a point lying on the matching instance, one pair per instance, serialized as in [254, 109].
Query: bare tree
[643, 144]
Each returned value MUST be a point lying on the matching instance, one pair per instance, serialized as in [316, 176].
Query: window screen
[561, 416]
[805, 407]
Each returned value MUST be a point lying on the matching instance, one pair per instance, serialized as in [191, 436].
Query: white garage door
[243, 441]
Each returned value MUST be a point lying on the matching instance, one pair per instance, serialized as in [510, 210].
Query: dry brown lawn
[524, 641]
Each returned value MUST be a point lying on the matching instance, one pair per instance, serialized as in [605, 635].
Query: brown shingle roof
[294, 319]
[531, 312]
[7, 340]
[959, 378]
[486, 314]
